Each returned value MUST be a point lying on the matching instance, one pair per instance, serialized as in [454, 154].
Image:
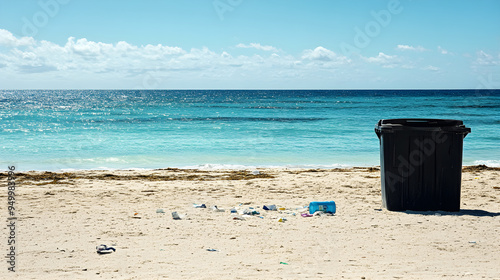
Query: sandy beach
[62, 217]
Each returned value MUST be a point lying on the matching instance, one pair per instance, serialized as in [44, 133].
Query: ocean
[210, 129]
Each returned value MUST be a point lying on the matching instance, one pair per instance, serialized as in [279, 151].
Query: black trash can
[421, 163]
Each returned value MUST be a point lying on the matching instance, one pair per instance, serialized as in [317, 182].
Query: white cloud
[226, 55]
[387, 61]
[82, 56]
[486, 59]
[319, 53]
[325, 55]
[9, 40]
[257, 46]
[87, 48]
[83, 63]
[442, 51]
[160, 50]
[410, 48]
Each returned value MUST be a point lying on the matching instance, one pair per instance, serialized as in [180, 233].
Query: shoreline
[465, 168]
[239, 173]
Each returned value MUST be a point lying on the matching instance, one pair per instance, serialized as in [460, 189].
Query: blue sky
[221, 44]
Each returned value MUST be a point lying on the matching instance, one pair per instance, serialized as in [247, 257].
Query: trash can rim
[420, 122]
[420, 125]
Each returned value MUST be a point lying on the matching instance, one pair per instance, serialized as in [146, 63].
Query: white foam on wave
[101, 168]
[209, 167]
[489, 163]
[85, 166]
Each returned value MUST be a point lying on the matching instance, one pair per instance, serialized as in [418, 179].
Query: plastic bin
[421, 163]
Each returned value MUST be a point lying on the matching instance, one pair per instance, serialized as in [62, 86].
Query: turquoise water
[71, 129]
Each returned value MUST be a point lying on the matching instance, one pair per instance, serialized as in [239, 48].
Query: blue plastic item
[323, 206]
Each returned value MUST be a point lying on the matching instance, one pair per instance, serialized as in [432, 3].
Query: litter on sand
[175, 216]
[322, 206]
[240, 218]
[199, 206]
[271, 207]
[136, 216]
[250, 212]
[216, 209]
[103, 249]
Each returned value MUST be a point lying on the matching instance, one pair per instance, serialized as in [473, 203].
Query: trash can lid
[421, 124]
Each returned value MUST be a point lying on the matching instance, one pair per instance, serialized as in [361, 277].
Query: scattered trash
[212, 250]
[270, 207]
[199, 206]
[240, 218]
[284, 263]
[250, 212]
[325, 208]
[322, 206]
[472, 242]
[319, 213]
[256, 172]
[136, 216]
[175, 216]
[215, 209]
[103, 249]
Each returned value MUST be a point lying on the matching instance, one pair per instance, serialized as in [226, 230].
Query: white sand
[60, 225]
